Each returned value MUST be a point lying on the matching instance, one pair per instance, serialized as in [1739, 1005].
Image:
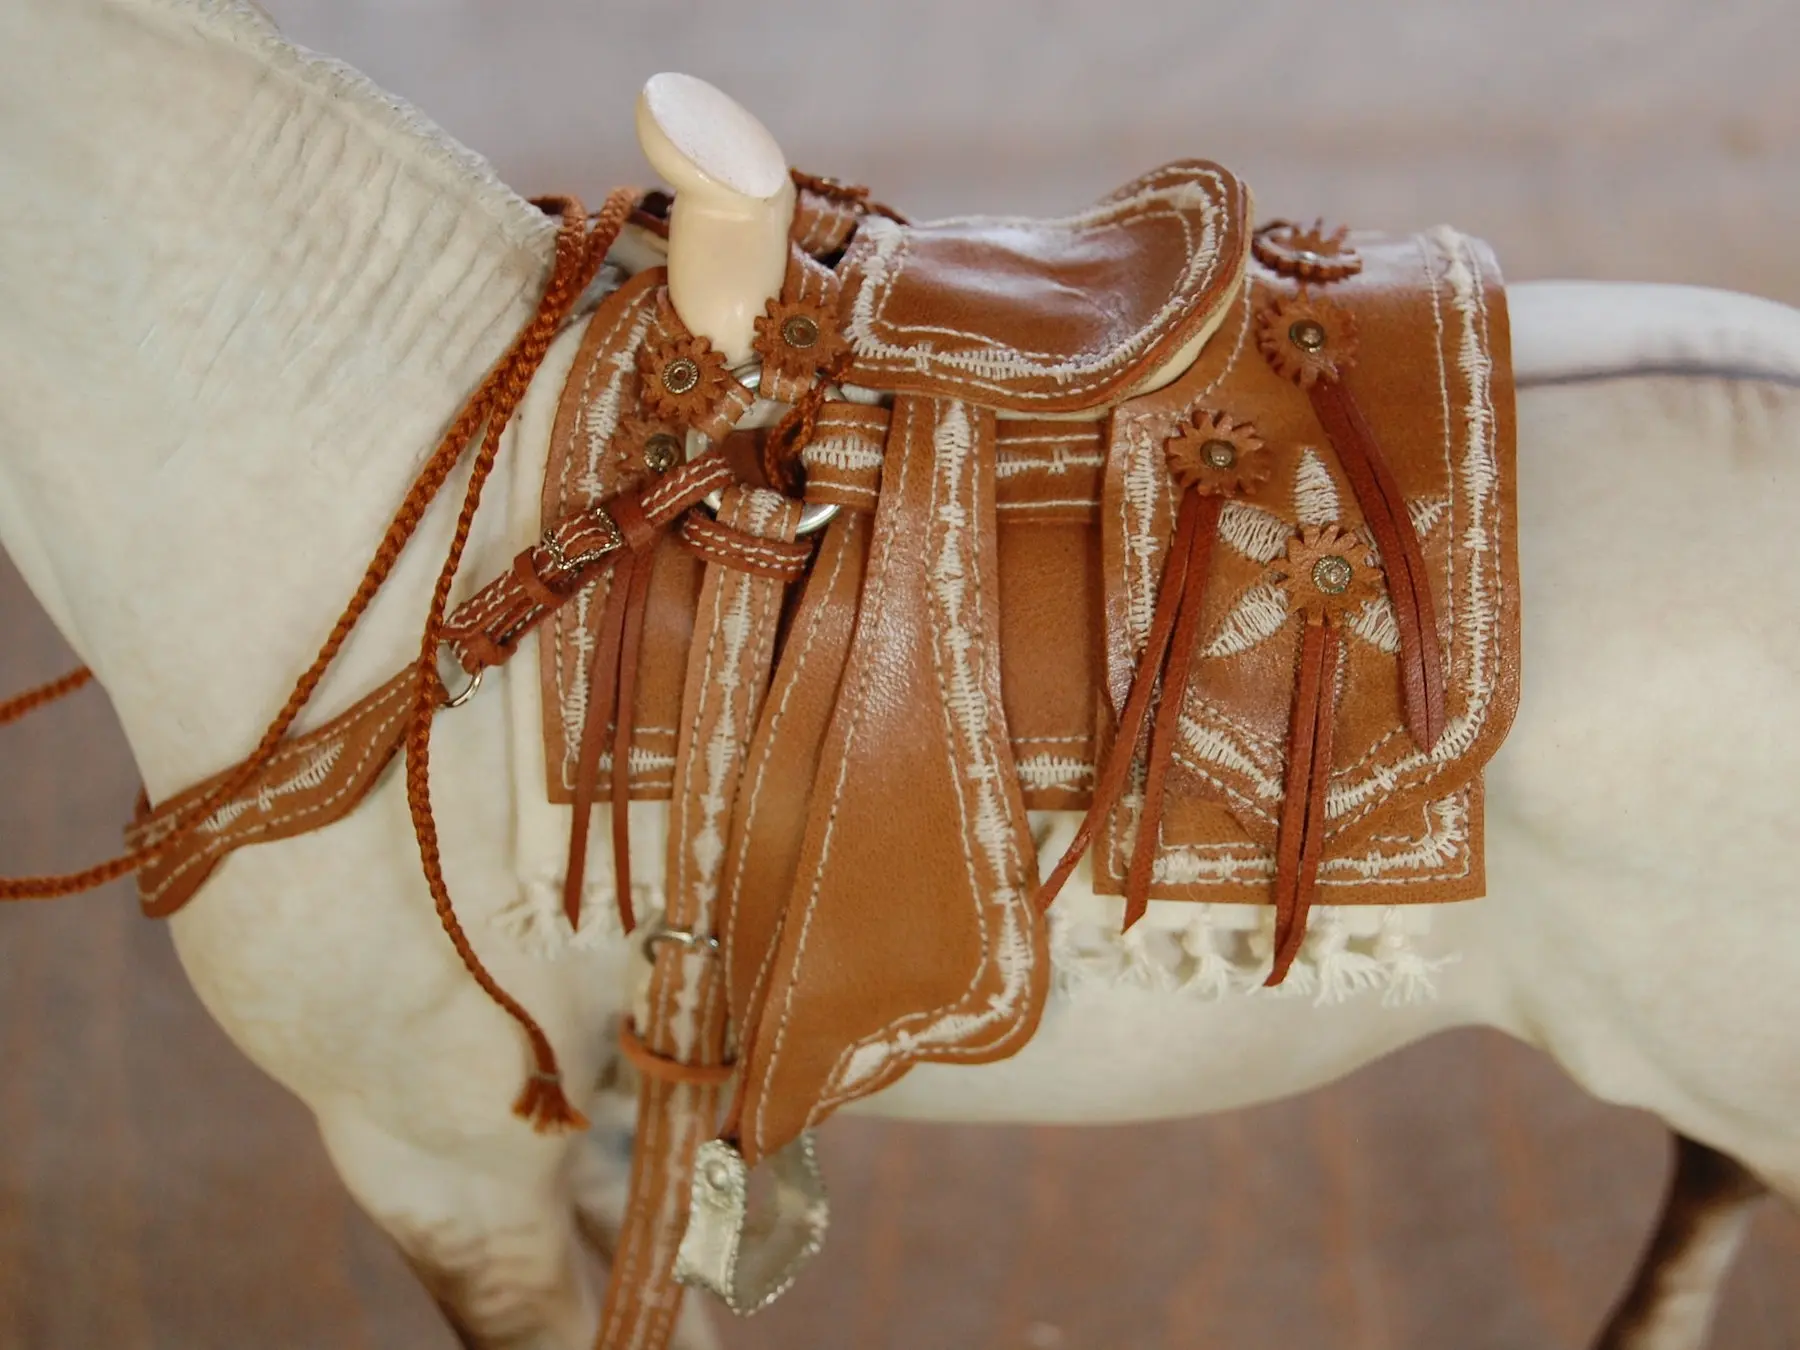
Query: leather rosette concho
[1307, 339]
[684, 380]
[798, 341]
[1328, 574]
[1304, 254]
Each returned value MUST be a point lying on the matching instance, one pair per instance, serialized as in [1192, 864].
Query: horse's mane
[347, 93]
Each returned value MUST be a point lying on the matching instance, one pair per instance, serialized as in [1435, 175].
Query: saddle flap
[910, 934]
[1401, 822]
[1056, 315]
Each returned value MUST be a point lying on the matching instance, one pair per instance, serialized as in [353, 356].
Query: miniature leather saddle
[1042, 416]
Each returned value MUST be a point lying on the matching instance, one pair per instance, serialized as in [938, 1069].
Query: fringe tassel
[1384, 507]
[1199, 522]
[544, 1106]
[1301, 837]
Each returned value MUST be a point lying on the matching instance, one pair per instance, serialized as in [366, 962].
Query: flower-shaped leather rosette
[1307, 339]
[1329, 573]
[1217, 457]
[798, 341]
[684, 380]
[1305, 254]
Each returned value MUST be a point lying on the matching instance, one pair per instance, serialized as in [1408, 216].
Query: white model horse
[241, 294]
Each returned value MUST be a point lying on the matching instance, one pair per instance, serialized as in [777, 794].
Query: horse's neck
[241, 296]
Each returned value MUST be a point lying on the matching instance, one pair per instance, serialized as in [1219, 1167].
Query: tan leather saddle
[1205, 532]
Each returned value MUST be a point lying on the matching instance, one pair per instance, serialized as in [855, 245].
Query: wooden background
[156, 1191]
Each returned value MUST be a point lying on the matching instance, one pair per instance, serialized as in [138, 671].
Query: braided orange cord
[788, 438]
[32, 699]
[513, 368]
[543, 1101]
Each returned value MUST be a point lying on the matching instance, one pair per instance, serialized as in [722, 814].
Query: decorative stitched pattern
[1238, 760]
[1197, 204]
[979, 757]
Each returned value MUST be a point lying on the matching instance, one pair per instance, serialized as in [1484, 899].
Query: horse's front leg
[490, 1231]
[324, 960]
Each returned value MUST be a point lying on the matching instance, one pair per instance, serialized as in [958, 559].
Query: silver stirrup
[751, 1264]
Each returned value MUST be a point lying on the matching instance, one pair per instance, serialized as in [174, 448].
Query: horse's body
[213, 391]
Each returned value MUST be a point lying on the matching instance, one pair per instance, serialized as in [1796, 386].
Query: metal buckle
[562, 562]
[814, 516]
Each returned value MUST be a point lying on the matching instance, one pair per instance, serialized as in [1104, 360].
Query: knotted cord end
[545, 1107]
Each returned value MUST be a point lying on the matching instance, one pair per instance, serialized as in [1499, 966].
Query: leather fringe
[1384, 507]
[1301, 838]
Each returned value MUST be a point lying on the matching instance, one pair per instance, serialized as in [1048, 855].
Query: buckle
[562, 562]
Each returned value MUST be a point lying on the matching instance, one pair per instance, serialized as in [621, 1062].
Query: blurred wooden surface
[157, 1192]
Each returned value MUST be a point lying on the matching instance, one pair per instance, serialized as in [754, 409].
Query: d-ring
[468, 690]
[814, 516]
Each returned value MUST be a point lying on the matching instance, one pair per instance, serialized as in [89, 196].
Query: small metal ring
[681, 937]
[468, 691]
[814, 516]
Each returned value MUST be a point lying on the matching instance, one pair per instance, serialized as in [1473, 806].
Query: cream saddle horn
[734, 204]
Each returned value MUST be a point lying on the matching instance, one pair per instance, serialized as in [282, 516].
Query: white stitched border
[911, 347]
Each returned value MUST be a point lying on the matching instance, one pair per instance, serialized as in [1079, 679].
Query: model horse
[243, 292]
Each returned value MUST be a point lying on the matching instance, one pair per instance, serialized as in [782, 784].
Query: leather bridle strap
[322, 776]
[677, 1040]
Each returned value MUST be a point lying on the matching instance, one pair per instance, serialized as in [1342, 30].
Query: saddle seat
[1063, 315]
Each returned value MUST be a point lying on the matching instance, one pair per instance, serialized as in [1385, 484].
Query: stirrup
[749, 1264]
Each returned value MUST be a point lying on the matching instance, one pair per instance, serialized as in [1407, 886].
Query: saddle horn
[734, 204]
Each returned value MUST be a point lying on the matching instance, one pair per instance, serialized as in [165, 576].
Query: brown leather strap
[777, 559]
[728, 674]
[1134, 718]
[1409, 588]
[310, 781]
[487, 628]
[666, 1070]
[1199, 523]
[1302, 837]
[613, 677]
[769, 825]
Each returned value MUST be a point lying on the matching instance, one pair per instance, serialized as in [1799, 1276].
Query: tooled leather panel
[311, 781]
[916, 845]
[1050, 315]
[1434, 379]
